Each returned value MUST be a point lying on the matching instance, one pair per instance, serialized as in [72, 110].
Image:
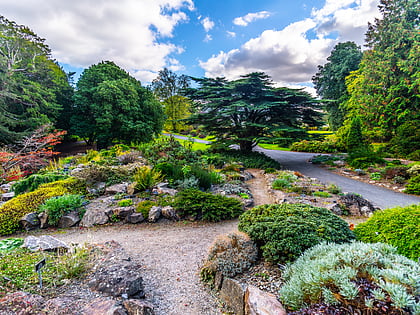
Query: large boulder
[356, 205]
[135, 218]
[21, 303]
[104, 306]
[258, 302]
[7, 196]
[138, 307]
[233, 294]
[123, 212]
[44, 242]
[116, 189]
[169, 213]
[30, 221]
[155, 213]
[69, 219]
[97, 212]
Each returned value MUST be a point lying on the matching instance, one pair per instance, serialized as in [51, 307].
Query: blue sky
[285, 39]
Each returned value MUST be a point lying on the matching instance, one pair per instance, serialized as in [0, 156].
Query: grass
[194, 145]
[269, 146]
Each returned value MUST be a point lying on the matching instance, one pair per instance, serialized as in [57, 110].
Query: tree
[384, 92]
[30, 82]
[168, 87]
[111, 105]
[246, 110]
[330, 83]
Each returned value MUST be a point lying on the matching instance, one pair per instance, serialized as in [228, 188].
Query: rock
[7, 196]
[116, 189]
[169, 213]
[44, 242]
[154, 213]
[96, 212]
[258, 302]
[233, 293]
[63, 305]
[354, 203]
[335, 208]
[97, 189]
[43, 220]
[5, 187]
[135, 218]
[21, 303]
[218, 280]
[163, 189]
[30, 221]
[69, 219]
[123, 212]
[104, 306]
[117, 275]
[131, 188]
[137, 307]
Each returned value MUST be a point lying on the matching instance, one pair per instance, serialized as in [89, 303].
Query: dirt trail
[258, 187]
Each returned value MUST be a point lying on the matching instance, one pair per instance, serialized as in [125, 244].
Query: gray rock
[30, 221]
[20, 302]
[335, 208]
[43, 220]
[5, 187]
[135, 218]
[104, 306]
[123, 212]
[116, 189]
[163, 189]
[154, 213]
[138, 307]
[354, 203]
[169, 213]
[97, 189]
[233, 294]
[69, 219]
[44, 242]
[97, 212]
[258, 302]
[7, 196]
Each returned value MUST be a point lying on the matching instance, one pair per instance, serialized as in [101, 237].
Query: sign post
[38, 266]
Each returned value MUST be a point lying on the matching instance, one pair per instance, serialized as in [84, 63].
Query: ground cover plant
[399, 226]
[284, 231]
[361, 278]
[58, 206]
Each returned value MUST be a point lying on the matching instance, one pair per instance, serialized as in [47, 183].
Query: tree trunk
[246, 146]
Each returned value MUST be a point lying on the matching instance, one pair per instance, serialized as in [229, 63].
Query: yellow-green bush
[13, 210]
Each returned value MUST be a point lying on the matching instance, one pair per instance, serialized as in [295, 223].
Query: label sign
[39, 265]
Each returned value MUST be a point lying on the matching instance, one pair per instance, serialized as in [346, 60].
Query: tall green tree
[330, 82]
[30, 82]
[248, 109]
[384, 92]
[111, 105]
[168, 88]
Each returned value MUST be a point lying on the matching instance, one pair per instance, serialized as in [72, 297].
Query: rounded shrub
[356, 278]
[199, 205]
[32, 182]
[398, 226]
[230, 255]
[285, 231]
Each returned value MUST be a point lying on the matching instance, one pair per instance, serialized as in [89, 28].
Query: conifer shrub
[230, 254]
[199, 205]
[33, 181]
[284, 231]
[362, 278]
[413, 186]
[144, 207]
[399, 226]
[13, 210]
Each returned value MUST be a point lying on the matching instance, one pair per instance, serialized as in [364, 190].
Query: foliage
[56, 207]
[205, 206]
[315, 146]
[398, 227]
[10, 244]
[125, 202]
[13, 210]
[366, 277]
[17, 268]
[322, 194]
[284, 180]
[330, 83]
[413, 186]
[145, 178]
[285, 231]
[230, 255]
[406, 139]
[363, 158]
[324, 159]
[111, 105]
[384, 91]
[246, 110]
[94, 173]
[334, 189]
[144, 207]
[33, 87]
[33, 181]
[248, 159]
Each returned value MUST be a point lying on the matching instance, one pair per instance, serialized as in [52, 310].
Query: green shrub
[144, 207]
[334, 189]
[249, 159]
[9, 244]
[125, 203]
[322, 194]
[366, 277]
[145, 178]
[230, 255]
[363, 158]
[285, 231]
[205, 206]
[324, 159]
[13, 210]
[398, 226]
[56, 207]
[413, 186]
[281, 184]
[315, 146]
[375, 176]
[32, 182]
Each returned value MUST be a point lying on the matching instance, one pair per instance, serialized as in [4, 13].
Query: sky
[211, 38]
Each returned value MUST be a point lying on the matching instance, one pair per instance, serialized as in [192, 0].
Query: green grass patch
[269, 146]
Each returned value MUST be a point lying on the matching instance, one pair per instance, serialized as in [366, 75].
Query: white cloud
[290, 55]
[208, 38]
[231, 34]
[207, 24]
[84, 32]
[251, 17]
